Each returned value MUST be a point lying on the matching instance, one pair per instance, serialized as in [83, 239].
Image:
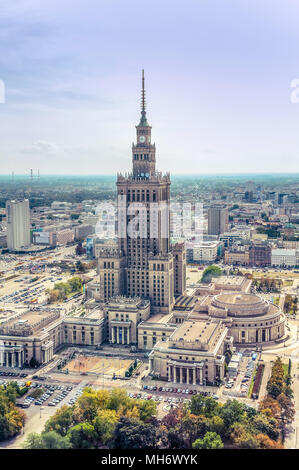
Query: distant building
[82, 231]
[203, 253]
[217, 220]
[39, 237]
[237, 255]
[260, 254]
[284, 257]
[18, 224]
[61, 237]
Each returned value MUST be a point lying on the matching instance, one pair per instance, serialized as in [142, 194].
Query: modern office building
[217, 220]
[18, 224]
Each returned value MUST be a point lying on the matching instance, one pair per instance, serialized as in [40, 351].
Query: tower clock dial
[142, 139]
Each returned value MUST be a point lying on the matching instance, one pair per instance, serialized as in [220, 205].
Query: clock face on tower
[142, 139]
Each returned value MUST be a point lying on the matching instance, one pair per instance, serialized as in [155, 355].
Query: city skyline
[219, 93]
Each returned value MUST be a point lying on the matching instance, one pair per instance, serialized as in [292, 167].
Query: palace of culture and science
[139, 297]
[144, 265]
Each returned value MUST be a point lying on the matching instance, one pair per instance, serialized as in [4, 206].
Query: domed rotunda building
[250, 318]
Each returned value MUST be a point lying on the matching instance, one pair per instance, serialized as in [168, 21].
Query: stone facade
[145, 263]
[39, 332]
[249, 318]
[194, 353]
[123, 316]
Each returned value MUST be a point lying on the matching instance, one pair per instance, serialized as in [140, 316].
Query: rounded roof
[242, 305]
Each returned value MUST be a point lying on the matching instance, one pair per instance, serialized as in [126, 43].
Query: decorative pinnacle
[143, 94]
[143, 120]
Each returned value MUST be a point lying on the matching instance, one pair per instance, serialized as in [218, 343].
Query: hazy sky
[218, 75]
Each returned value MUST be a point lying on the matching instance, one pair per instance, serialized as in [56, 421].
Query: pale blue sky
[217, 72]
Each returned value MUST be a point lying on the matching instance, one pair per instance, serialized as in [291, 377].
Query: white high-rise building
[18, 224]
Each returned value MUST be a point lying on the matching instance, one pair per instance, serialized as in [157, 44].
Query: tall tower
[18, 224]
[144, 152]
[144, 260]
[146, 192]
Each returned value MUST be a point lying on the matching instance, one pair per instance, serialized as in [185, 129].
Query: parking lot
[171, 395]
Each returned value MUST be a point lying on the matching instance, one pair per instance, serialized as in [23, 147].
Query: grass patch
[251, 384]
[285, 369]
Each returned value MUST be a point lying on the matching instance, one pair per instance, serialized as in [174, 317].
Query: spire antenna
[143, 94]
[143, 120]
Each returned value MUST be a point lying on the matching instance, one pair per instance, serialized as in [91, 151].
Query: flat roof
[195, 330]
[284, 252]
[228, 280]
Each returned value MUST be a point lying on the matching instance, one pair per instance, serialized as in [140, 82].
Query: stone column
[174, 373]
[181, 375]
[123, 335]
[187, 375]
[128, 335]
[200, 376]
[194, 376]
[13, 359]
[112, 334]
[169, 374]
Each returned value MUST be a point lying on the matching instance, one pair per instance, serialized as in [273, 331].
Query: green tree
[210, 272]
[232, 412]
[211, 440]
[118, 399]
[287, 414]
[197, 404]
[104, 424]
[61, 421]
[147, 409]
[266, 425]
[131, 433]
[241, 436]
[276, 383]
[12, 419]
[46, 440]
[33, 441]
[80, 267]
[75, 284]
[193, 427]
[82, 436]
[216, 424]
